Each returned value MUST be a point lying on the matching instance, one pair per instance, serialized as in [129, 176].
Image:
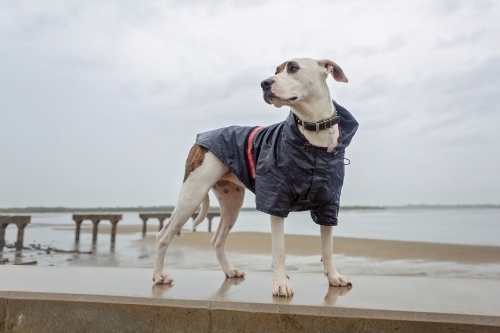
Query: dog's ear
[334, 69]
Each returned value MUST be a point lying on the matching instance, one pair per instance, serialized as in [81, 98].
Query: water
[452, 226]
[456, 226]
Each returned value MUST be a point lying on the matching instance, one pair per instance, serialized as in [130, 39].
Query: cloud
[464, 38]
[107, 97]
[473, 8]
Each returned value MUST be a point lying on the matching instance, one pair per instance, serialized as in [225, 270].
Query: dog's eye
[294, 69]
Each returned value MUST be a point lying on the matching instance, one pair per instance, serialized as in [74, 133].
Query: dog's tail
[205, 204]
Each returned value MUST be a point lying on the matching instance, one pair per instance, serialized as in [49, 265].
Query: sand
[260, 243]
[253, 242]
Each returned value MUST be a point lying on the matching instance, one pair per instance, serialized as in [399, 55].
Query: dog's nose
[266, 84]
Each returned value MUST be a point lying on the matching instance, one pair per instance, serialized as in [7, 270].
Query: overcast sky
[100, 101]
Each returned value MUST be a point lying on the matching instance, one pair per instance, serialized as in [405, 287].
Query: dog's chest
[308, 175]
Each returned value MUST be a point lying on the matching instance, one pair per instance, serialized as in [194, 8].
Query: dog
[295, 165]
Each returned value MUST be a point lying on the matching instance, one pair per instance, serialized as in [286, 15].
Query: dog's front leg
[334, 278]
[281, 285]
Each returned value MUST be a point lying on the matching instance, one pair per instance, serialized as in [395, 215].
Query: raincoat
[282, 168]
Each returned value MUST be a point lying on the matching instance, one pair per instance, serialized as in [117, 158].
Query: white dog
[295, 165]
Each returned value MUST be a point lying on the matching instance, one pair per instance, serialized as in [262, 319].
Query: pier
[21, 221]
[96, 218]
[162, 216]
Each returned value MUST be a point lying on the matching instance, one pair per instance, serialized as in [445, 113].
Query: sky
[100, 101]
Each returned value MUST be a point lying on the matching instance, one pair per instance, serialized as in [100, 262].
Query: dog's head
[298, 79]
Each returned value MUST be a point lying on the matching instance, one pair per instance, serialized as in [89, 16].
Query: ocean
[452, 226]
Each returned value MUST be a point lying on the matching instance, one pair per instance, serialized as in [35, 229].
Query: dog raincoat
[282, 168]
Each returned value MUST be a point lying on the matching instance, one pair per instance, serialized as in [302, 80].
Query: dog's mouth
[268, 97]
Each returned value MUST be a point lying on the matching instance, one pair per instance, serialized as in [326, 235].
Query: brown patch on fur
[238, 189]
[292, 67]
[280, 68]
[194, 160]
[222, 183]
[226, 191]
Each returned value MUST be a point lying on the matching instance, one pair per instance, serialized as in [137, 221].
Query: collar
[320, 125]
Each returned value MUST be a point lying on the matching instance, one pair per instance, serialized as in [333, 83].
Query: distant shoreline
[170, 208]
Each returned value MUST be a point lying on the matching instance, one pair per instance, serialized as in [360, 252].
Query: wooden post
[20, 235]
[94, 230]
[161, 223]
[144, 227]
[113, 230]
[78, 228]
[2, 234]
[210, 217]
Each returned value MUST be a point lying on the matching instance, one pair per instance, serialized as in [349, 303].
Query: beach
[306, 245]
[300, 245]
[49, 240]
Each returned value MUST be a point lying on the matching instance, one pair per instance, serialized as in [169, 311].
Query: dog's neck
[314, 109]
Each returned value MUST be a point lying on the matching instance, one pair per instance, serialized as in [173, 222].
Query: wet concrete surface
[87, 299]
[466, 296]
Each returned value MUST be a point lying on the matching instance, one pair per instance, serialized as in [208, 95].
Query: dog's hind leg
[194, 189]
[334, 278]
[230, 196]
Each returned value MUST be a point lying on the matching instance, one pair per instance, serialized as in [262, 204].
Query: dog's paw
[234, 273]
[282, 288]
[337, 280]
[162, 278]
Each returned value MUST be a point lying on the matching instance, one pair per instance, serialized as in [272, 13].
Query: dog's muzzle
[266, 89]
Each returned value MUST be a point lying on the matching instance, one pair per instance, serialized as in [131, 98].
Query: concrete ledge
[77, 299]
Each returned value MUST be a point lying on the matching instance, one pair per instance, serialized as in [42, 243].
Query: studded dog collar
[320, 125]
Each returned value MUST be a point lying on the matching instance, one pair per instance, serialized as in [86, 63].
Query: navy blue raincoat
[282, 168]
